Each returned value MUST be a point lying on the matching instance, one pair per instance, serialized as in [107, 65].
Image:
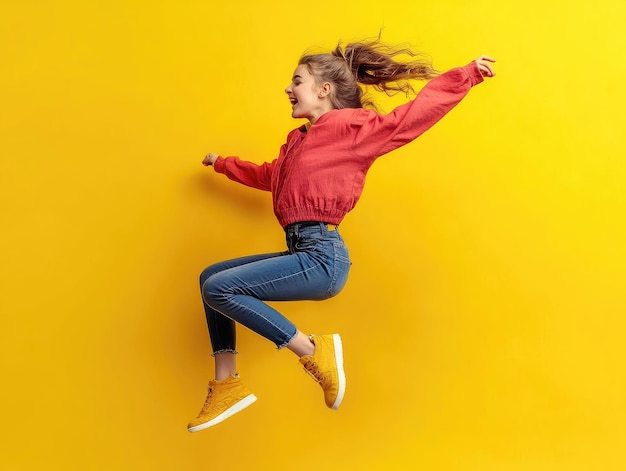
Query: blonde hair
[370, 63]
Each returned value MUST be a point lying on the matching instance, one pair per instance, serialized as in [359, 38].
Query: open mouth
[293, 101]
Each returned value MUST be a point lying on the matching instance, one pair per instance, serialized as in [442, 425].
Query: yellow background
[484, 317]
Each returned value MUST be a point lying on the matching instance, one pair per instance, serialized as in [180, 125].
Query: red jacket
[320, 173]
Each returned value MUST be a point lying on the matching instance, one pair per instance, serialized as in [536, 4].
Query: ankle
[224, 377]
[301, 345]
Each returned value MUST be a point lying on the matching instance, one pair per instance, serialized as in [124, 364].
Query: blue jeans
[314, 267]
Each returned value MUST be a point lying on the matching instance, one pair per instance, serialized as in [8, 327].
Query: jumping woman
[315, 181]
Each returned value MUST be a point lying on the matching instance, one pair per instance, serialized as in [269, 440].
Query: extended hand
[209, 159]
[484, 65]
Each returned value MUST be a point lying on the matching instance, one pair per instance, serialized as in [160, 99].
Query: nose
[288, 90]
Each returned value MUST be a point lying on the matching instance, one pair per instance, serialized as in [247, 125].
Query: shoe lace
[207, 401]
[312, 368]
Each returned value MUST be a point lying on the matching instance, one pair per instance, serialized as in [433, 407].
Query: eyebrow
[295, 77]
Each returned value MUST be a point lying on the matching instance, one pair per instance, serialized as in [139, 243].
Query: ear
[324, 90]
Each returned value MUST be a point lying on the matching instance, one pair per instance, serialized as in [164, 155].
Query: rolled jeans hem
[225, 350]
[287, 342]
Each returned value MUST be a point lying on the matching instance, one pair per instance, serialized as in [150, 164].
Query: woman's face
[306, 96]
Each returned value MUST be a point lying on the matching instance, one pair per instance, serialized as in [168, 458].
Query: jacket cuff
[473, 73]
[219, 164]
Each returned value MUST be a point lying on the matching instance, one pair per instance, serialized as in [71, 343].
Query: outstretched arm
[380, 134]
[240, 171]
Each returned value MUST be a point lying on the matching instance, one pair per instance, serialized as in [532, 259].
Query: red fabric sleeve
[379, 134]
[246, 173]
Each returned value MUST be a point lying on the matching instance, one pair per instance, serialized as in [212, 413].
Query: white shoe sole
[232, 410]
[341, 389]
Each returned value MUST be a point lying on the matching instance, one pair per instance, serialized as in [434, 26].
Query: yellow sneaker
[326, 367]
[225, 398]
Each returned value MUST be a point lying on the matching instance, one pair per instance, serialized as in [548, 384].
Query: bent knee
[212, 289]
[205, 287]
[207, 273]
